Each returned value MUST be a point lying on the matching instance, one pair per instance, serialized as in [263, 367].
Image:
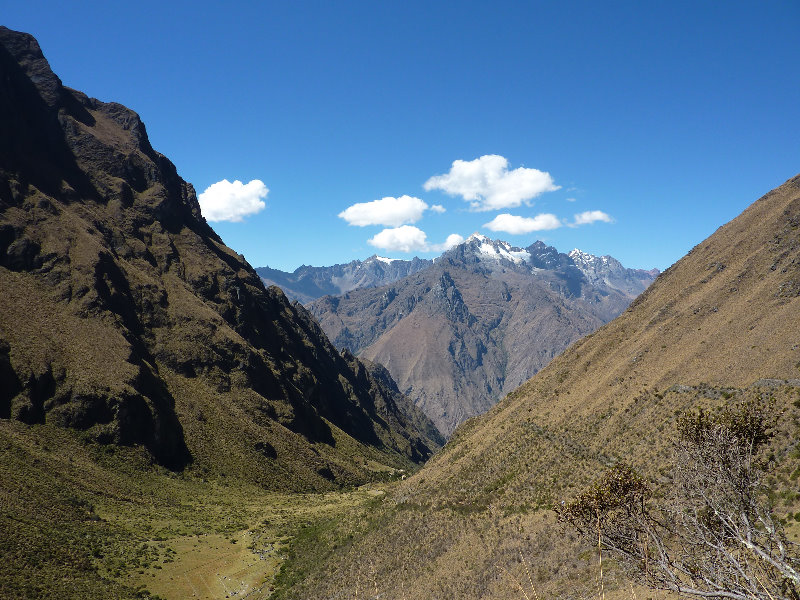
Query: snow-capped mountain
[607, 270]
[477, 322]
[308, 283]
[495, 250]
[574, 268]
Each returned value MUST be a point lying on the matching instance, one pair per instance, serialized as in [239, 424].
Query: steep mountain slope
[127, 319]
[482, 319]
[309, 283]
[720, 326]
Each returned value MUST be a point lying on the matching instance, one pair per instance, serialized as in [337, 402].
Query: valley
[717, 329]
[171, 427]
[168, 424]
[98, 522]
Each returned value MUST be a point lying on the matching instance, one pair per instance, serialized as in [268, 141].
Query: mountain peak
[382, 259]
[585, 258]
[577, 252]
[445, 332]
[485, 249]
[476, 237]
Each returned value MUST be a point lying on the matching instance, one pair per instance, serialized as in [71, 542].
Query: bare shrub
[709, 532]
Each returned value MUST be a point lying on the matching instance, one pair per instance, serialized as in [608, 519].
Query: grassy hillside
[719, 327]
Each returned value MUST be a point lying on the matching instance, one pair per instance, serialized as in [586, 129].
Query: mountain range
[480, 320]
[308, 283]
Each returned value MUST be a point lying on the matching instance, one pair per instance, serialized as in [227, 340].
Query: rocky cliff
[127, 319]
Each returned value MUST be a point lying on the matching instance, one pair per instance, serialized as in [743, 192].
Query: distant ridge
[477, 322]
[308, 283]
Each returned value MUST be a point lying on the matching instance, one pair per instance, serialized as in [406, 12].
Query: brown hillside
[721, 325]
[127, 319]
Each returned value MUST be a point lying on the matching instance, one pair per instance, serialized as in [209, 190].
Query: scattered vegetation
[83, 520]
[710, 530]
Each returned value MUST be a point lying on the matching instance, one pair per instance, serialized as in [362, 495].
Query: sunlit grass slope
[720, 326]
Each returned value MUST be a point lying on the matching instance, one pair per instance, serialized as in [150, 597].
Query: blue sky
[666, 118]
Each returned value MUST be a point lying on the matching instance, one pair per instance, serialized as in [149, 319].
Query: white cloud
[487, 184]
[408, 238]
[516, 225]
[390, 212]
[591, 216]
[570, 199]
[438, 208]
[452, 240]
[226, 201]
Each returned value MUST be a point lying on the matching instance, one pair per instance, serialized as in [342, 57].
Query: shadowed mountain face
[719, 327]
[309, 283]
[126, 317]
[481, 320]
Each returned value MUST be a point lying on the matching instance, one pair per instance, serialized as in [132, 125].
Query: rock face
[126, 317]
[309, 283]
[481, 320]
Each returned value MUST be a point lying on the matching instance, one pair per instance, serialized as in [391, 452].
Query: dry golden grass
[710, 328]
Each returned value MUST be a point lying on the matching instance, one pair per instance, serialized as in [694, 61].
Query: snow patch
[487, 249]
[504, 250]
[579, 256]
[477, 237]
[520, 255]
